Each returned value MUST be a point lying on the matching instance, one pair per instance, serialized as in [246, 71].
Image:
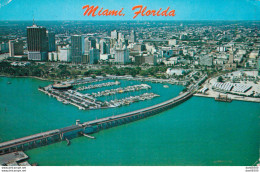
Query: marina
[107, 84]
[132, 99]
[122, 90]
[65, 93]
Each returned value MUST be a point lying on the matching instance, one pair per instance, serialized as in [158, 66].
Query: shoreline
[233, 97]
[35, 77]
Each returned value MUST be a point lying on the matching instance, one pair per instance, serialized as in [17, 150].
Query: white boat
[65, 102]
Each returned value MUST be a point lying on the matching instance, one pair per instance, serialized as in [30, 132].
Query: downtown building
[132, 36]
[104, 46]
[89, 42]
[77, 49]
[15, 48]
[94, 56]
[51, 41]
[121, 54]
[37, 43]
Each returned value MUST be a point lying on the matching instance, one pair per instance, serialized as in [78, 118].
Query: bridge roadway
[158, 107]
[92, 126]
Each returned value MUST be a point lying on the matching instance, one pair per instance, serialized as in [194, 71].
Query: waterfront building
[51, 41]
[37, 43]
[121, 54]
[94, 56]
[64, 54]
[15, 48]
[77, 48]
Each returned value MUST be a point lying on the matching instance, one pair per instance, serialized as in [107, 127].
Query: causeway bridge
[82, 129]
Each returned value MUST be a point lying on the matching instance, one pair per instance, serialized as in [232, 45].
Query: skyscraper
[51, 41]
[104, 46]
[37, 43]
[94, 56]
[15, 48]
[77, 48]
[121, 54]
[90, 42]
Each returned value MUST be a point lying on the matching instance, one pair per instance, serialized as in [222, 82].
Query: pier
[89, 127]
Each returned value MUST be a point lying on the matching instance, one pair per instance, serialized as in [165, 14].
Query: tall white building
[65, 54]
[121, 54]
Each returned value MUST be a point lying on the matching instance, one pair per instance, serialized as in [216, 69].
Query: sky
[184, 9]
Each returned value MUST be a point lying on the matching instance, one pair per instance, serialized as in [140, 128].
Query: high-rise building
[132, 36]
[37, 43]
[90, 42]
[65, 54]
[77, 48]
[104, 46]
[51, 41]
[231, 65]
[15, 48]
[121, 54]
[94, 56]
[120, 36]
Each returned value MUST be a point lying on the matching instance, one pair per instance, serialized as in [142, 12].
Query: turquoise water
[198, 132]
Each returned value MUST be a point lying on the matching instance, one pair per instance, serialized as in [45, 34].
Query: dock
[14, 159]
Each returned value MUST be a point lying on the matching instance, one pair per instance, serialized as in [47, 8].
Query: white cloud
[4, 2]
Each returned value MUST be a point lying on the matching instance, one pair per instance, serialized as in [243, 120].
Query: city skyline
[186, 10]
